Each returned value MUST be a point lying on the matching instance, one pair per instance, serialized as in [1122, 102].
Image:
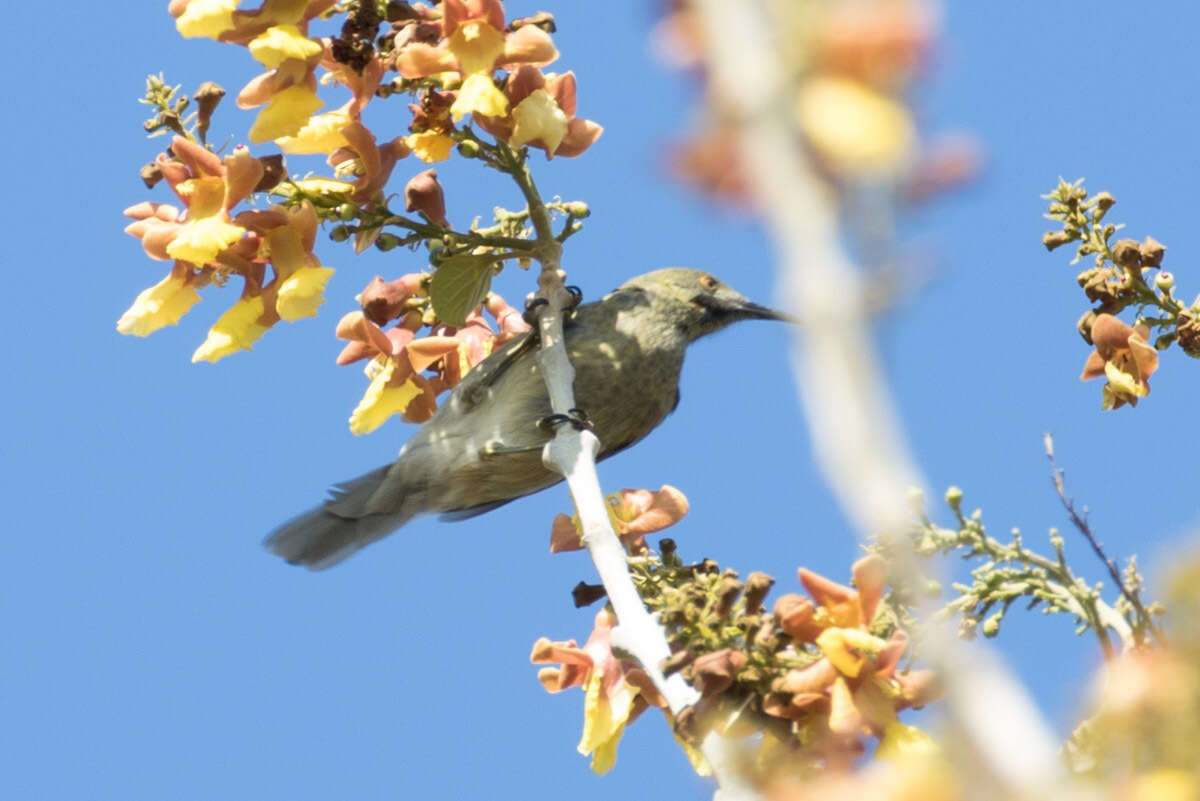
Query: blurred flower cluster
[1126, 273]
[851, 64]
[469, 74]
[816, 678]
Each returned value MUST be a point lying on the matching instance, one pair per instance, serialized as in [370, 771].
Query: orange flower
[1124, 357]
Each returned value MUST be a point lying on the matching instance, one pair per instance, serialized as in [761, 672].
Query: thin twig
[1079, 520]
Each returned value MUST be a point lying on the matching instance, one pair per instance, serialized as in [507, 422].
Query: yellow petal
[430, 146]
[848, 649]
[476, 45]
[479, 94]
[206, 18]
[1164, 784]
[162, 304]
[1122, 382]
[199, 241]
[236, 329]
[697, 759]
[900, 743]
[281, 43]
[321, 134]
[302, 293]
[604, 719]
[286, 114]
[857, 129]
[538, 117]
[381, 401]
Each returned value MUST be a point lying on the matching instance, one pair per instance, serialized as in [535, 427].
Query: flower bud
[1164, 281]
[468, 149]
[1126, 253]
[339, 233]
[387, 242]
[991, 626]
[424, 194]
[954, 496]
[1054, 239]
[1151, 251]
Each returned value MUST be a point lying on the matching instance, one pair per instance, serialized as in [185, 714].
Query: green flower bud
[954, 496]
[347, 211]
[468, 149]
[1164, 281]
[386, 242]
[340, 233]
[991, 626]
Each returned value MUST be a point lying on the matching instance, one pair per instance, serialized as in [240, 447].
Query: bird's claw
[576, 418]
[533, 304]
[531, 307]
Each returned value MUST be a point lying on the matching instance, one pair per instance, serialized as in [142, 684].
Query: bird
[483, 447]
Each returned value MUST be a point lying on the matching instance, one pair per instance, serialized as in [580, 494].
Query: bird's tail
[327, 534]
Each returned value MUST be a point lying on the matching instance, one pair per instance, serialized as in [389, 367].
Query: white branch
[858, 442]
[573, 454]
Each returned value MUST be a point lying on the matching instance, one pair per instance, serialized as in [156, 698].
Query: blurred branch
[858, 441]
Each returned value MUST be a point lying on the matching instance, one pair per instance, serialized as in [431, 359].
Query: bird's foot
[533, 304]
[576, 418]
[531, 307]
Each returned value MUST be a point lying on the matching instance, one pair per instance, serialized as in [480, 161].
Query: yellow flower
[479, 94]
[281, 43]
[538, 117]
[208, 18]
[302, 293]
[381, 401]
[199, 241]
[848, 649]
[1163, 784]
[321, 134]
[329, 187]
[430, 146]
[900, 743]
[286, 114]
[476, 45]
[236, 329]
[857, 129]
[162, 304]
[604, 718]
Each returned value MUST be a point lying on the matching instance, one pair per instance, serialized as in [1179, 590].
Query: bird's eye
[709, 283]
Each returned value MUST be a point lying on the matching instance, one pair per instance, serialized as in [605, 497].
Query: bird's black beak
[739, 309]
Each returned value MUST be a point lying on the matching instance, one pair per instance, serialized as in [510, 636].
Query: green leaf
[459, 284]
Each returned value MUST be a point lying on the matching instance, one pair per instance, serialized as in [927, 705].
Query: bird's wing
[472, 390]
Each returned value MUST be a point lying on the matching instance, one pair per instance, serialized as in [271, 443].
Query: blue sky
[153, 649]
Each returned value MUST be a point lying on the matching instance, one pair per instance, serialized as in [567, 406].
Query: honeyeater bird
[483, 447]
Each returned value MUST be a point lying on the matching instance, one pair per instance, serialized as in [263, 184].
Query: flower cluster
[468, 71]
[408, 371]
[814, 677]
[854, 62]
[208, 244]
[1125, 273]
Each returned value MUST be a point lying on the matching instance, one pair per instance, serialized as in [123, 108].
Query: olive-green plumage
[483, 448]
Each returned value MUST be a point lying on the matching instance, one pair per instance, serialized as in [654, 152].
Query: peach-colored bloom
[543, 114]
[633, 513]
[616, 691]
[1124, 357]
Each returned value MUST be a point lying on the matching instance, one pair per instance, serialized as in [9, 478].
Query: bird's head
[698, 302]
